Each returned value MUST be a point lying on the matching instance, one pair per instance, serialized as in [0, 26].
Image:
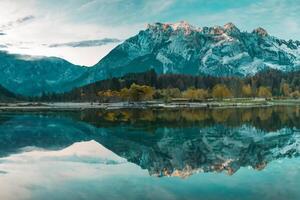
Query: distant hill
[28, 75]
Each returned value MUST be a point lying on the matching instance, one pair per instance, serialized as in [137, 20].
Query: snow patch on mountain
[218, 51]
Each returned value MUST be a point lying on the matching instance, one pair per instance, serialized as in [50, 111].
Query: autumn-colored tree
[167, 94]
[195, 94]
[295, 94]
[264, 92]
[189, 94]
[221, 91]
[201, 94]
[124, 94]
[173, 92]
[140, 92]
[108, 95]
[285, 89]
[247, 91]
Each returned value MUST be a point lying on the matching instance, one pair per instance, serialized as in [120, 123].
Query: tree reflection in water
[165, 142]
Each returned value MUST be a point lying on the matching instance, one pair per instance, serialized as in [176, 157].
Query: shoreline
[74, 106]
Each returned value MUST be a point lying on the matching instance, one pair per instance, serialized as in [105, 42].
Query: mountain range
[168, 48]
[218, 51]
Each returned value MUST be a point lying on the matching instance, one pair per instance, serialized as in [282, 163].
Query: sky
[84, 31]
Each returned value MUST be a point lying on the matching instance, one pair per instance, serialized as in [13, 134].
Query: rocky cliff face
[182, 48]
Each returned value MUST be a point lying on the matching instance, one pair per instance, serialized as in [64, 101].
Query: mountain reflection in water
[165, 142]
[119, 154]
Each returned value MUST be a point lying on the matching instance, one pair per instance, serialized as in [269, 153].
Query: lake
[236, 153]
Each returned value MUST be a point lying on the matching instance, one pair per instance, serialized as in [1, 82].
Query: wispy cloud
[87, 43]
[273, 15]
[25, 19]
[17, 22]
[2, 33]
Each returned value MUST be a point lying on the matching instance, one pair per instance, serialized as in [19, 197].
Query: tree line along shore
[147, 86]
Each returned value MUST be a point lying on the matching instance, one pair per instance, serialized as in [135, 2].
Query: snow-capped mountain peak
[173, 27]
[231, 29]
[183, 48]
[183, 25]
[230, 26]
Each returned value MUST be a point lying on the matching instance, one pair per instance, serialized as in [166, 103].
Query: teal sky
[30, 26]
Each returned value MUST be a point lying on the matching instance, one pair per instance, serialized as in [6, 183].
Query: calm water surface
[151, 154]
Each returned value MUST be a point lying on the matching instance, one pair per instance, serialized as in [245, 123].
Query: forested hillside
[6, 95]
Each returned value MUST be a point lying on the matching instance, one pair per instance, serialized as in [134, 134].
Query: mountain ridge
[183, 48]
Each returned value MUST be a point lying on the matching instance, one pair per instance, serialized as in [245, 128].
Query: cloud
[86, 43]
[25, 19]
[2, 46]
[1, 33]
[116, 12]
[17, 22]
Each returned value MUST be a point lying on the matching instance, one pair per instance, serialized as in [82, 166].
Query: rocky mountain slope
[182, 48]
